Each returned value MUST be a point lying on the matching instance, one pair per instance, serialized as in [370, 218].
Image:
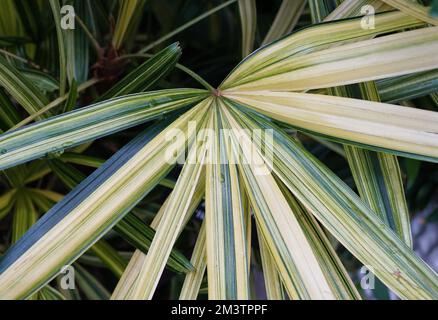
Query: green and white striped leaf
[319, 10]
[248, 21]
[397, 89]
[273, 284]
[131, 228]
[377, 175]
[301, 273]
[346, 217]
[276, 56]
[56, 134]
[378, 179]
[414, 9]
[129, 11]
[132, 272]
[333, 268]
[227, 269]
[80, 44]
[387, 56]
[173, 219]
[193, 280]
[90, 210]
[140, 235]
[401, 130]
[285, 20]
[44, 199]
[65, 64]
[20, 88]
[147, 74]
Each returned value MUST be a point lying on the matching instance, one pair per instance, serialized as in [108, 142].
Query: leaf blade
[93, 212]
[85, 124]
[406, 130]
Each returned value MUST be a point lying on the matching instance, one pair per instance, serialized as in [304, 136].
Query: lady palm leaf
[347, 218]
[224, 220]
[285, 20]
[63, 54]
[377, 175]
[392, 55]
[333, 269]
[288, 190]
[390, 128]
[145, 75]
[414, 9]
[133, 270]
[300, 271]
[248, 16]
[173, 216]
[20, 88]
[91, 213]
[314, 39]
[408, 87]
[193, 280]
[56, 134]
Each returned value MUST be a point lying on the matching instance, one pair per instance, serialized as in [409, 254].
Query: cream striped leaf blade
[333, 269]
[248, 21]
[279, 56]
[302, 275]
[273, 284]
[21, 88]
[376, 174]
[65, 61]
[227, 267]
[131, 227]
[408, 87]
[384, 127]
[147, 74]
[133, 271]
[414, 9]
[61, 210]
[58, 133]
[193, 280]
